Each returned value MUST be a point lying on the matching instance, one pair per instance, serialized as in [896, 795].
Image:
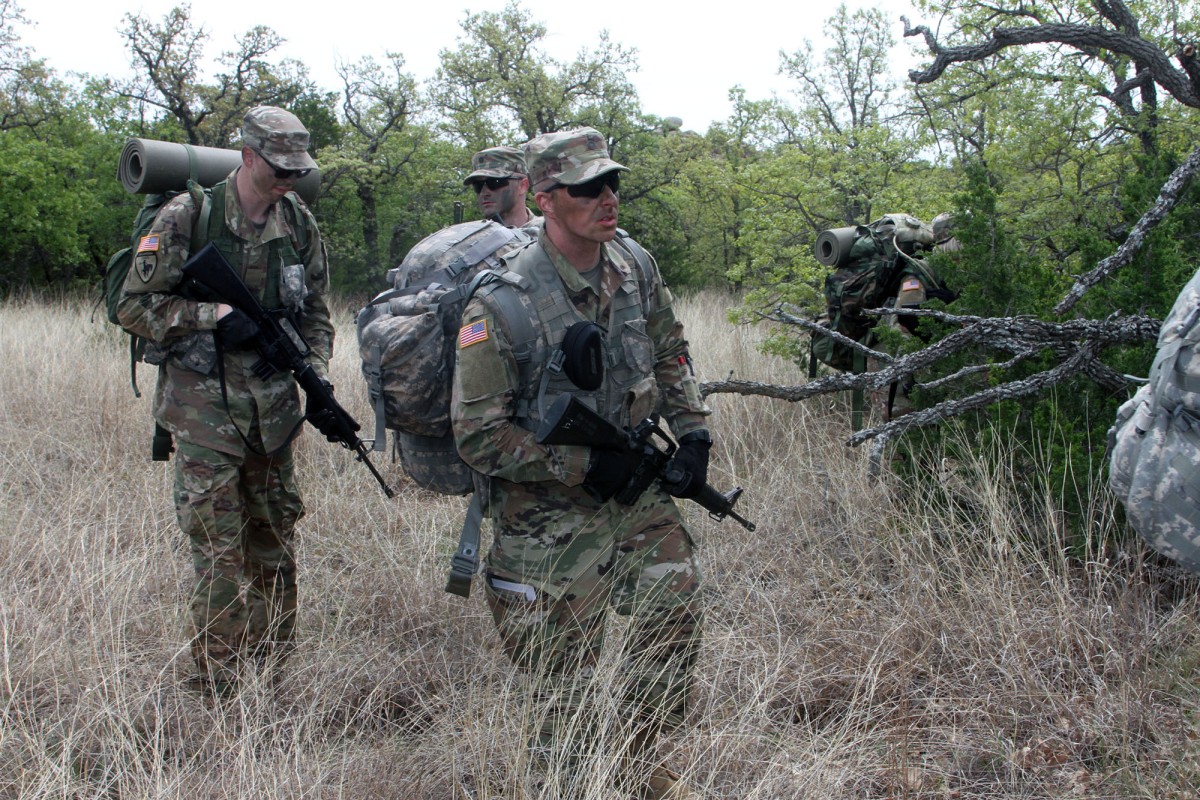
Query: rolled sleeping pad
[832, 247]
[148, 166]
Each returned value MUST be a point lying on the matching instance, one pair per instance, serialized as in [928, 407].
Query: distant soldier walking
[235, 491]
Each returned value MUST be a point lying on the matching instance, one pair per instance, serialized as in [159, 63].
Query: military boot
[666, 784]
[645, 778]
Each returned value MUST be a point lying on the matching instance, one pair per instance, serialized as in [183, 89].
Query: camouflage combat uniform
[559, 557]
[235, 492]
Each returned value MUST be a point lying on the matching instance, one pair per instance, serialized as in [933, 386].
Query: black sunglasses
[495, 184]
[593, 188]
[282, 174]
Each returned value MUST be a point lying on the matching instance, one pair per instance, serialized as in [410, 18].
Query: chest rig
[628, 352]
[262, 276]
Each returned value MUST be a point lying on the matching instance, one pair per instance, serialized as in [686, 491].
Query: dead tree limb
[1086, 38]
[1076, 343]
[959, 406]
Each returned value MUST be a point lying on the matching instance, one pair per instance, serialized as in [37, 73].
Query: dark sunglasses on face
[593, 188]
[282, 174]
[495, 184]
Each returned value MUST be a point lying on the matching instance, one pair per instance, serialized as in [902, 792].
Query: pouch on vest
[583, 352]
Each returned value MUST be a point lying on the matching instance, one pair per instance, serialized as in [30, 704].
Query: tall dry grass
[868, 640]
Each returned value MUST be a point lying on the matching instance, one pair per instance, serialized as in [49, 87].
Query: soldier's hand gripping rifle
[571, 422]
[280, 347]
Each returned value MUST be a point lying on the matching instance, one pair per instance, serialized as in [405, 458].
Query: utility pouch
[583, 351]
[292, 291]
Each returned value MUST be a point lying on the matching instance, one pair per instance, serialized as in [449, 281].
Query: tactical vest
[628, 349]
[281, 251]
[531, 291]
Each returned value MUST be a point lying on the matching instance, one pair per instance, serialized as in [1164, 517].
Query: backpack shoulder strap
[503, 287]
[643, 262]
[483, 250]
[298, 223]
[200, 228]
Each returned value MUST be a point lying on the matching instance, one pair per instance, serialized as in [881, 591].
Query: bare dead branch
[1075, 342]
[1082, 37]
[791, 318]
[1012, 390]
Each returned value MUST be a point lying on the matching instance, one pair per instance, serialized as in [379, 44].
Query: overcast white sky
[689, 58]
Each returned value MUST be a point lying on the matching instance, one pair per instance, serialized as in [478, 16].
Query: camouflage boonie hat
[278, 136]
[497, 162]
[567, 158]
[942, 225]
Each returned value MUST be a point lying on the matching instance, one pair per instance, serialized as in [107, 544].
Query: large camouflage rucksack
[875, 265]
[1155, 443]
[406, 339]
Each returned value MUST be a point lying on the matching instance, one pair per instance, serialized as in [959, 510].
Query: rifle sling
[225, 399]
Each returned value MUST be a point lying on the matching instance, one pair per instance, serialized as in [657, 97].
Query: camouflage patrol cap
[567, 158]
[278, 136]
[497, 162]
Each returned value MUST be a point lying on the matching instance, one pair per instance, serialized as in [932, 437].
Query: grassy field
[869, 640]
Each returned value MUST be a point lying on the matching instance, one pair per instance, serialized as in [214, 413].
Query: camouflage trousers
[239, 513]
[553, 573]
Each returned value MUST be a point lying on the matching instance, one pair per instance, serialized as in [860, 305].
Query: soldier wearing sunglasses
[566, 547]
[236, 496]
[499, 179]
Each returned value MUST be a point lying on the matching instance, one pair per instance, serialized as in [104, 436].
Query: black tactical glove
[608, 472]
[235, 329]
[687, 472]
[334, 426]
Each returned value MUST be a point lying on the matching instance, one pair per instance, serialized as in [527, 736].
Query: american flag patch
[148, 244]
[473, 334]
[910, 285]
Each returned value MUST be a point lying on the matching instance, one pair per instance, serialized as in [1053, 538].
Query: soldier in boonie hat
[567, 158]
[943, 234]
[278, 136]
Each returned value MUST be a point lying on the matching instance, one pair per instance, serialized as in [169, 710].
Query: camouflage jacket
[189, 399]
[495, 403]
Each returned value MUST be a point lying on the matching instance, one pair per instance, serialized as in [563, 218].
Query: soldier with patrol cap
[235, 490]
[500, 180]
[564, 550]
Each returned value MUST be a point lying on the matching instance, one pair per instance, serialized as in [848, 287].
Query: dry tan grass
[869, 640]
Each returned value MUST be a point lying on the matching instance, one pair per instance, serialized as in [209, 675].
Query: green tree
[498, 85]
[170, 85]
[57, 200]
[383, 162]
[843, 154]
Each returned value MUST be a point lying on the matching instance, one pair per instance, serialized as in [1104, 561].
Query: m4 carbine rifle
[280, 347]
[571, 422]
